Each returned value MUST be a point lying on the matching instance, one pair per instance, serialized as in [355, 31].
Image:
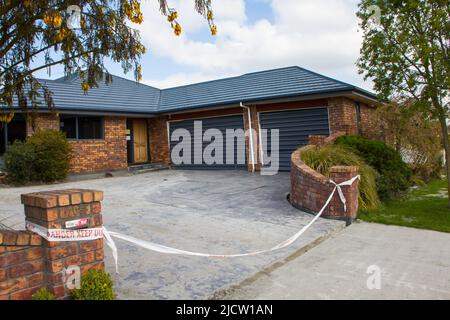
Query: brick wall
[94, 155]
[310, 189]
[29, 262]
[42, 121]
[368, 126]
[344, 117]
[22, 268]
[159, 140]
[342, 112]
[109, 153]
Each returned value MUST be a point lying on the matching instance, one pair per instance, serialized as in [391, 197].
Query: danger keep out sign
[65, 234]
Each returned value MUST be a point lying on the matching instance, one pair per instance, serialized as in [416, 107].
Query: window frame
[77, 130]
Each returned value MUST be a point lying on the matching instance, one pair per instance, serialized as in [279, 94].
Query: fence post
[340, 174]
[66, 209]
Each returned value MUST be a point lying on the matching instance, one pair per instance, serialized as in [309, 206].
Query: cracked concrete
[413, 264]
[222, 212]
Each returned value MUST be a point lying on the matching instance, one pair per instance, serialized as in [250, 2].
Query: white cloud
[319, 35]
[180, 79]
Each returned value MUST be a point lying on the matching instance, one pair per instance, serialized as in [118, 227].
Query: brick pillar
[336, 210]
[342, 113]
[317, 140]
[52, 209]
[159, 141]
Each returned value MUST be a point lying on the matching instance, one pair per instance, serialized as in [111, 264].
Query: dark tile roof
[123, 95]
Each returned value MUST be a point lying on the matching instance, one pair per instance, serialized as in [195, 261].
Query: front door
[140, 141]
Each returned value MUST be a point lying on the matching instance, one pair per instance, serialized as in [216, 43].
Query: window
[81, 127]
[68, 125]
[90, 128]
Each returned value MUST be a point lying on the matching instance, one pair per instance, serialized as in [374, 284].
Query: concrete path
[414, 264]
[222, 212]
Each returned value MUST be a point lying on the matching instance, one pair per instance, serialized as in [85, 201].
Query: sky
[253, 35]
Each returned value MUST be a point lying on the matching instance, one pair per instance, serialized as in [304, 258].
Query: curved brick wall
[310, 189]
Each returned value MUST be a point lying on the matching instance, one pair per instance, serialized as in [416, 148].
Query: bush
[432, 169]
[19, 162]
[95, 285]
[395, 175]
[43, 294]
[45, 156]
[53, 154]
[403, 127]
[322, 159]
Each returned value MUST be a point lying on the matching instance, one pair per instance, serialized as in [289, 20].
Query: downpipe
[251, 135]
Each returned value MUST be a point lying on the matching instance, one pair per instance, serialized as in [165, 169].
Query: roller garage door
[222, 124]
[295, 127]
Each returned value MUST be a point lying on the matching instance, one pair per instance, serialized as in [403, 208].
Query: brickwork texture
[310, 189]
[110, 153]
[29, 262]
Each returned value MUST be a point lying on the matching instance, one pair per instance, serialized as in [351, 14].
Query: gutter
[251, 134]
[85, 112]
[350, 93]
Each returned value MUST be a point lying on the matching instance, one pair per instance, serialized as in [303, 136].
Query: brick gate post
[340, 174]
[63, 209]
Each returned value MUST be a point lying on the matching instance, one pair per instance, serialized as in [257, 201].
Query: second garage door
[294, 128]
[221, 123]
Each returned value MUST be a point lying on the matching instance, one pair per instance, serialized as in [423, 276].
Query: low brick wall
[310, 189]
[22, 267]
[29, 262]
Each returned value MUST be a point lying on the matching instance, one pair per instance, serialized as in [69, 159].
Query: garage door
[295, 127]
[235, 122]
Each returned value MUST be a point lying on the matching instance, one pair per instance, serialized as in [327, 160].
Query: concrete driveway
[412, 264]
[221, 212]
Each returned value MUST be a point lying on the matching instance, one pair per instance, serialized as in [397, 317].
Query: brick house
[124, 123]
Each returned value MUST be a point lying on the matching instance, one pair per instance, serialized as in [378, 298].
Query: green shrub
[394, 174]
[95, 285]
[43, 294]
[322, 159]
[53, 154]
[401, 126]
[19, 162]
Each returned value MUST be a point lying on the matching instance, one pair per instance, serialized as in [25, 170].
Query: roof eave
[89, 112]
[351, 93]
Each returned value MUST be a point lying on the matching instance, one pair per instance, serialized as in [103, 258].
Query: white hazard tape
[65, 234]
[91, 234]
[169, 250]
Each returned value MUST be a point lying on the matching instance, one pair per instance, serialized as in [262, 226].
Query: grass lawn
[424, 208]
